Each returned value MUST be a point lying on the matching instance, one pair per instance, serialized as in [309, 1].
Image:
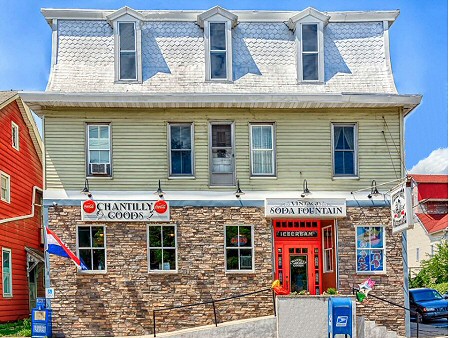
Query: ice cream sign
[125, 211]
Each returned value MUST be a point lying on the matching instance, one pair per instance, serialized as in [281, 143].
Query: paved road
[435, 329]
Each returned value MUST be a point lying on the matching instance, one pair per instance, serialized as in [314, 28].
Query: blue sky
[418, 51]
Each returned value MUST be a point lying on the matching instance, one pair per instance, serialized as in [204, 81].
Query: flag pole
[46, 264]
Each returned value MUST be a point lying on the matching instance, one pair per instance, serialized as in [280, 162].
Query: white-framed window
[239, 248]
[127, 51]
[328, 248]
[98, 150]
[5, 187]
[218, 50]
[370, 249]
[7, 273]
[181, 152]
[262, 149]
[91, 247]
[310, 52]
[345, 145]
[309, 25]
[15, 136]
[162, 248]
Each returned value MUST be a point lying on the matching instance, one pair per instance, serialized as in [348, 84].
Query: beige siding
[303, 147]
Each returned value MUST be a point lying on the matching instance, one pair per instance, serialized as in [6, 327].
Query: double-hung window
[239, 248]
[344, 149]
[218, 63]
[370, 249]
[99, 150]
[5, 187]
[92, 247]
[15, 135]
[328, 248]
[262, 150]
[181, 149]
[127, 51]
[162, 248]
[310, 52]
[6, 272]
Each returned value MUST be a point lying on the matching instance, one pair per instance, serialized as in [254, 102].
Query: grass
[21, 328]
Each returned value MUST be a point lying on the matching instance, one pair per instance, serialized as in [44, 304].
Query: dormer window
[218, 23]
[308, 26]
[310, 53]
[127, 51]
[218, 50]
[126, 23]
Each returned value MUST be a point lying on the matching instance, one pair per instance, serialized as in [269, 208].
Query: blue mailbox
[41, 319]
[340, 316]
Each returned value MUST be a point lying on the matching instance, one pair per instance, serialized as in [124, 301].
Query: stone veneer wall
[120, 302]
[389, 285]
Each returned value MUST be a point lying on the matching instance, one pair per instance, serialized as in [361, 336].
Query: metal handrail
[213, 302]
[398, 305]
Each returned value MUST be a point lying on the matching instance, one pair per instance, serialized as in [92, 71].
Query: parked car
[445, 295]
[428, 303]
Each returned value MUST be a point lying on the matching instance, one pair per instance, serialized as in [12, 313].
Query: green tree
[434, 272]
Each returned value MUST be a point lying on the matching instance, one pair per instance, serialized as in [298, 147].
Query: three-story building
[220, 150]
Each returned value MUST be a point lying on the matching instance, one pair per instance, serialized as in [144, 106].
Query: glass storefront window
[370, 249]
[239, 247]
[162, 247]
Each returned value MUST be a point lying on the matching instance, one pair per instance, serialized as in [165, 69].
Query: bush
[21, 328]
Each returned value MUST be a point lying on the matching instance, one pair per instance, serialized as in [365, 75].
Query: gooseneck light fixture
[159, 191]
[85, 190]
[239, 192]
[373, 190]
[305, 188]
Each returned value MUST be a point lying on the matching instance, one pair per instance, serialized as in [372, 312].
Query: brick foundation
[388, 286]
[121, 301]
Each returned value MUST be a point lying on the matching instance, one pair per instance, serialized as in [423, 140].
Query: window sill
[99, 177]
[219, 81]
[345, 178]
[246, 272]
[5, 201]
[92, 272]
[8, 296]
[127, 82]
[221, 186]
[263, 177]
[314, 82]
[378, 273]
[181, 178]
[163, 272]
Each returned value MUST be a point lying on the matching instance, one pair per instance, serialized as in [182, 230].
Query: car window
[425, 295]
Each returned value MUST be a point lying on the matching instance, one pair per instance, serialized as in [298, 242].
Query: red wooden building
[22, 268]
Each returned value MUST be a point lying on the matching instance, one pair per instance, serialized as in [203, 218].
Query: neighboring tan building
[430, 201]
[297, 110]
[21, 152]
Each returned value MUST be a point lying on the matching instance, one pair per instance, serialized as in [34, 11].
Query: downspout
[18, 218]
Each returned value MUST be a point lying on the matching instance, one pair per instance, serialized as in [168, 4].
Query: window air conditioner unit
[99, 168]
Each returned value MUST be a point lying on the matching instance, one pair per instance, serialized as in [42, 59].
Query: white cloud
[435, 163]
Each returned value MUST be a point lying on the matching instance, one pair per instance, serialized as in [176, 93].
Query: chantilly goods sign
[125, 211]
[401, 209]
[305, 207]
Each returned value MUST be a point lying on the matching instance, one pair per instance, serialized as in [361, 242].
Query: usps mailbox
[341, 317]
[41, 319]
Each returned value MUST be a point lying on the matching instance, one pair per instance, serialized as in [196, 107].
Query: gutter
[18, 218]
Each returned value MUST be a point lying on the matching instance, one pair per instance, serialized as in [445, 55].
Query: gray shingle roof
[264, 59]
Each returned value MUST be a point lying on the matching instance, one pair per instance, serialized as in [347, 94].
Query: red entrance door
[298, 255]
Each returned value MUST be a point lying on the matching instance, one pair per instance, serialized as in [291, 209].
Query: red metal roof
[430, 178]
[434, 222]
